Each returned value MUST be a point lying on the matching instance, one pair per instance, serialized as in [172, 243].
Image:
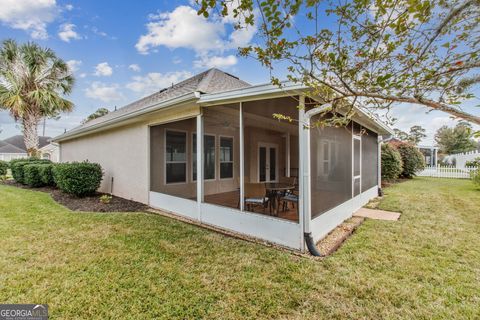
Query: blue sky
[123, 50]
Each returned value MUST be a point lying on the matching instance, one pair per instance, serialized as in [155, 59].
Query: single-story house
[430, 154]
[281, 181]
[14, 148]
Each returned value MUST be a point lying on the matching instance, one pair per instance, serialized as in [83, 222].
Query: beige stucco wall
[123, 155]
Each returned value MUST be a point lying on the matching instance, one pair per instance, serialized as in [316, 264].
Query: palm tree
[33, 83]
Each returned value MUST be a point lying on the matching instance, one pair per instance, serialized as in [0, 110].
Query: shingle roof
[210, 81]
[15, 144]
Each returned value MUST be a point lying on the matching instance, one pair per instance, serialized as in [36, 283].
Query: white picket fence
[447, 172]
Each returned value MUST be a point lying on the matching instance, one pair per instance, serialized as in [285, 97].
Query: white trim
[242, 160]
[200, 190]
[287, 155]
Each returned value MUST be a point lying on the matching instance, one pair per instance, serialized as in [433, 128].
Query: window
[209, 157]
[176, 156]
[226, 158]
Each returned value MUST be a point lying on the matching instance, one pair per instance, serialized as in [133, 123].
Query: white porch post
[436, 157]
[304, 171]
[242, 160]
[287, 154]
[200, 194]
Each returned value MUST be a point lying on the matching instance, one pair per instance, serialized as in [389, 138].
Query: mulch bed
[337, 236]
[86, 204]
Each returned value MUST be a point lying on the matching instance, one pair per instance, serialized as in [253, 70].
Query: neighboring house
[14, 147]
[247, 160]
[430, 154]
[51, 152]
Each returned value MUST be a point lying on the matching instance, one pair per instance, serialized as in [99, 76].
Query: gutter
[307, 178]
[167, 103]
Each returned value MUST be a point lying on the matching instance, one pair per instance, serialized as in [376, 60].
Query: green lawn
[142, 266]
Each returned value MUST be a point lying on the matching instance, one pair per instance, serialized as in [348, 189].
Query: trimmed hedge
[392, 165]
[78, 178]
[31, 175]
[17, 167]
[3, 168]
[46, 174]
[412, 159]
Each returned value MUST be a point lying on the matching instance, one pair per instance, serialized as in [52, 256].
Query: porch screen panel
[331, 167]
[170, 159]
[222, 155]
[267, 155]
[369, 159]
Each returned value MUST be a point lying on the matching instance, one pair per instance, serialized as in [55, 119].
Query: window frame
[220, 160]
[166, 130]
[194, 164]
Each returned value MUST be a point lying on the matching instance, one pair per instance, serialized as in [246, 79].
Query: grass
[142, 266]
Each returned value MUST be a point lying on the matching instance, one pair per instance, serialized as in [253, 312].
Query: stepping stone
[377, 214]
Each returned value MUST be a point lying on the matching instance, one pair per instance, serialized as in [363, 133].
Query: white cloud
[104, 92]
[182, 28]
[69, 7]
[215, 62]
[32, 16]
[134, 67]
[74, 65]
[103, 69]
[155, 81]
[67, 32]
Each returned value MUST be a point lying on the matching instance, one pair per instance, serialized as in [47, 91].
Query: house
[14, 148]
[430, 154]
[250, 173]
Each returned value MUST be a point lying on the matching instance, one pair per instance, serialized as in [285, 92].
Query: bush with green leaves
[392, 165]
[474, 163]
[46, 173]
[31, 175]
[3, 168]
[475, 175]
[17, 167]
[412, 159]
[78, 178]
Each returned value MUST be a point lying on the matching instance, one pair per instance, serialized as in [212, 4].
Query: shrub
[473, 163]
[31, 175]
[475, 175]
[78, 178]
[391, 162]
[106, 199]
[412, 159]
[17, 167]
[46, 174]
[3, 168]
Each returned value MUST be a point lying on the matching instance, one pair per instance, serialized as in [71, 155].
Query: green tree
[456, 139]
[400, 134]
[100, 112]
[417, 134]
[33, 83]
[366, 52]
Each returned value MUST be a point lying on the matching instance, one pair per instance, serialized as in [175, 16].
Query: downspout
[305, 118]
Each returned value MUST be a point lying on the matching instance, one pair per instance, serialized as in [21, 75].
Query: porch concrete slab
[377, 214]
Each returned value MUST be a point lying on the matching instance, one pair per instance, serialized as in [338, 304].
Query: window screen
[176, 156]
[209, 157]
[226, 158]
[331, 167]
[369, 159]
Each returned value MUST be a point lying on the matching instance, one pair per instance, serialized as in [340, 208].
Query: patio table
[275, 190]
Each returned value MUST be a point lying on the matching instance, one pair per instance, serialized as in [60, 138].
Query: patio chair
[292, 198]
[255, 195]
